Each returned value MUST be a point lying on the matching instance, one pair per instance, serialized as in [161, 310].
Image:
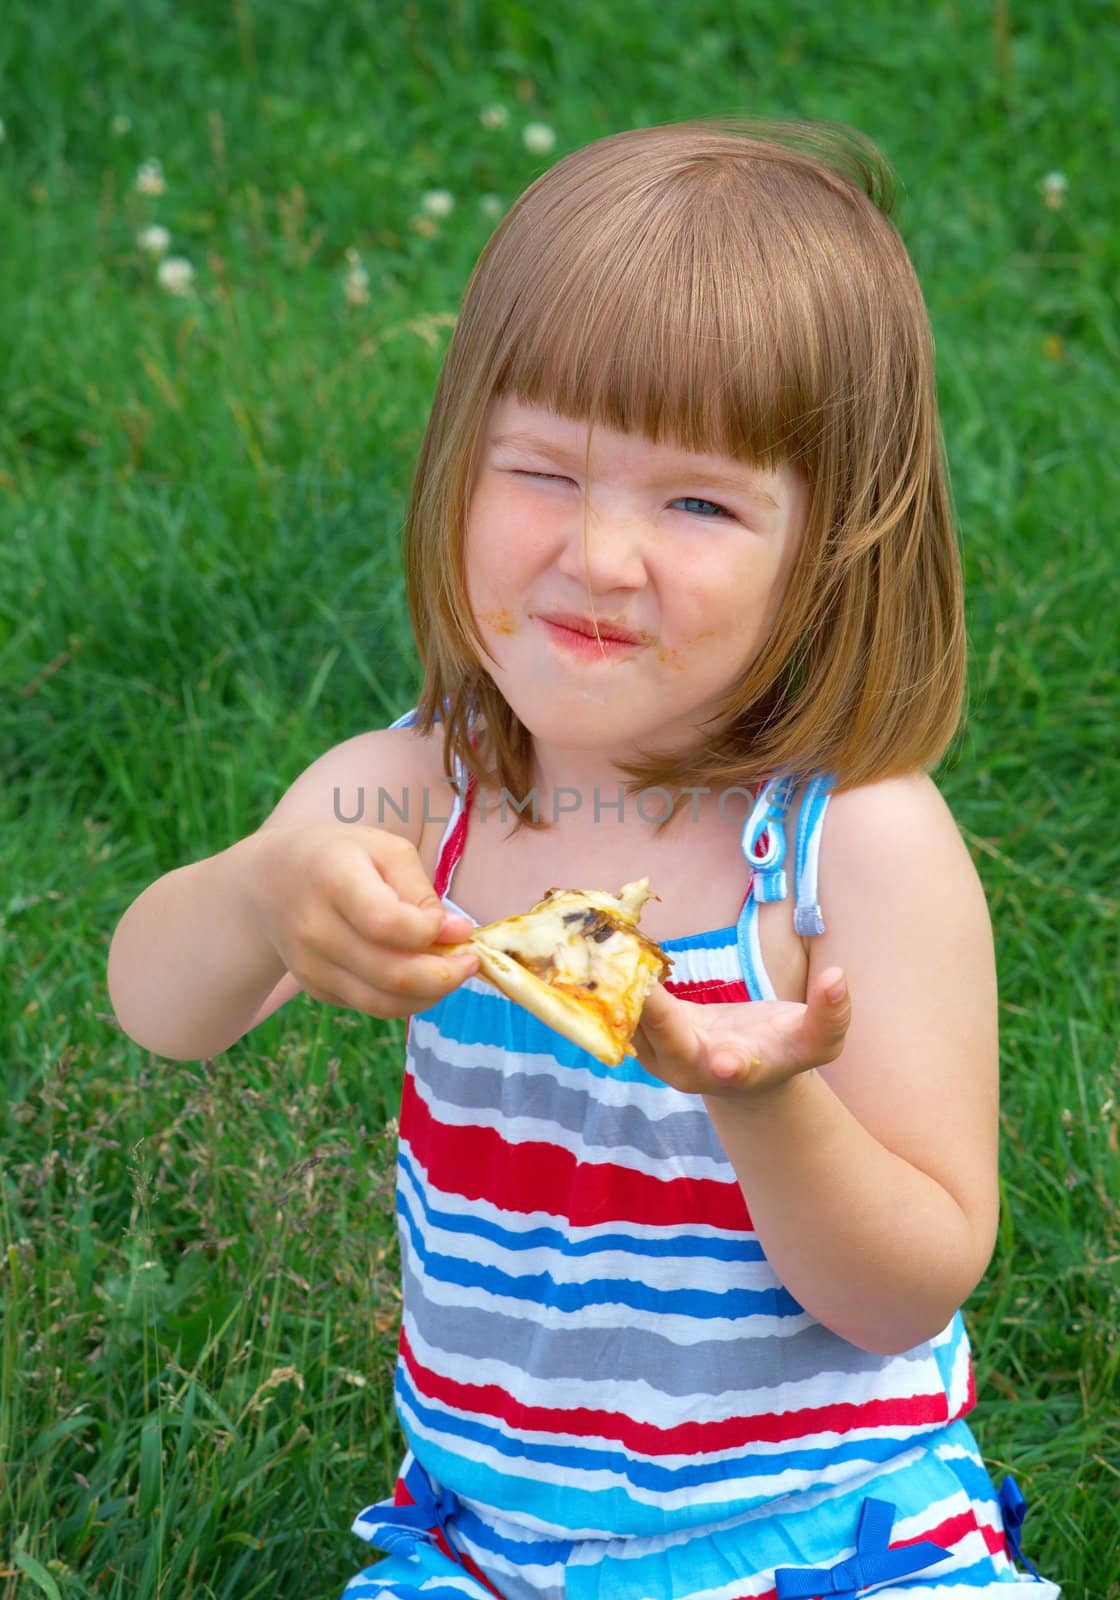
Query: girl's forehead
[514, 424]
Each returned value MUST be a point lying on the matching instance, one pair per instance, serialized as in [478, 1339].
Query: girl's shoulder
[907, 812]
[389, 778]
[895, 843]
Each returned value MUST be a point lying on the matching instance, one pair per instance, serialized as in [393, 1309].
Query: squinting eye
[690, 502]
[544, 477]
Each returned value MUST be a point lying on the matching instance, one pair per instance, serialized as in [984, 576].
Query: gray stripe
[633, 1352]
[679, 1137]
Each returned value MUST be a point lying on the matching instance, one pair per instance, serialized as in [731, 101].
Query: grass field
[200, 502]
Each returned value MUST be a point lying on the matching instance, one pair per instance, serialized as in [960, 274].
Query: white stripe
[962, 1365]
[718, 963]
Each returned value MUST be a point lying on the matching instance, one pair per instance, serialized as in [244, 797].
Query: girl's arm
[871, 1181]
[341, 910]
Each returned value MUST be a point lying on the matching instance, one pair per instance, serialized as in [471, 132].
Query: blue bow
[1014, 1509]
[398, 1527]
[872, 1563]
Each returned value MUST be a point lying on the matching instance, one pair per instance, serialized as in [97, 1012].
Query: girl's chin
[618, 732]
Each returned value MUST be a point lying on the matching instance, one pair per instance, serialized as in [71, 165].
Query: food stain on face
[675, 658]
[501, 621]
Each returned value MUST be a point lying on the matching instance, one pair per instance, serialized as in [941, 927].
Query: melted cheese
[565, 956]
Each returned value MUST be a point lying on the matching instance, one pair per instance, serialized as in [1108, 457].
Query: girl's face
[683, 568]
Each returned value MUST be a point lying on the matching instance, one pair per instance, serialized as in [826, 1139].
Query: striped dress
[605, 1389]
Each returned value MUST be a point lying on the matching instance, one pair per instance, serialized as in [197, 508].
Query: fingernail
[838, 991]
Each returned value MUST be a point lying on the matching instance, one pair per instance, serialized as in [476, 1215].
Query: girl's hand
[354, 917]
[742, 1049]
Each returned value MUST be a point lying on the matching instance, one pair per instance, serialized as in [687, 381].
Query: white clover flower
[1054, 188]
[494, 117]
[149, 178]
[491, 206]
[121, 124]
[154, 241]
[175, 275]
[538, 137]
[355, 285]
[438, 203]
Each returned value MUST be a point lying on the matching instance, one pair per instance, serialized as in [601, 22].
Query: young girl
[684, 579]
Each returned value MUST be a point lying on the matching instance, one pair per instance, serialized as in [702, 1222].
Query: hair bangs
[663, 319]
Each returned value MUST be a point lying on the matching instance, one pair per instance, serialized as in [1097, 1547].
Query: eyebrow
[733, 483]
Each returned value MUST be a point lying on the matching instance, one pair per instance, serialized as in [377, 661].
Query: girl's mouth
[577, 635]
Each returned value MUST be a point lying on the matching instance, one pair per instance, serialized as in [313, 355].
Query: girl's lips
[579, 643]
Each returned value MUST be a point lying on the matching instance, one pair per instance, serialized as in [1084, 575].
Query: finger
[664, 1030]
[423, 975]
[339, 988]
[828, 1015]
[398, 862]
[394, 987]
[390, 899]
[425, 978]
[455, 928]
[730, 1065]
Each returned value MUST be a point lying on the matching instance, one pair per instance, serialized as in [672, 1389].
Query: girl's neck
[569, 780]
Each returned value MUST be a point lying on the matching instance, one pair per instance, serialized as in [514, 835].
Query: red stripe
[709, 991]
[453, 849]
[533, 1175]
[996, 1540]
[686, 1438]
[946, 1534]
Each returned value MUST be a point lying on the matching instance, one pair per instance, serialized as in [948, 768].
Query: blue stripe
[736, 1248]
[484, 1017]
[479, 1482]
[746, 955]
[542, 1289]
[969, 1468]
[717, 939]
[403, 1580]
[948, 1354]
[538, 1552]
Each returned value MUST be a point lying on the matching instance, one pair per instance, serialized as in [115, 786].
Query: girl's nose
[605, 551]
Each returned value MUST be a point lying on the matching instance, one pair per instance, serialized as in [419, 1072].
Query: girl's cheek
[501, 622]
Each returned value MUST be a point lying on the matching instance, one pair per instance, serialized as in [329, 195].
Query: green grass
[200, 504]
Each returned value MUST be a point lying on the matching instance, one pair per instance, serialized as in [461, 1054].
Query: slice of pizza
[578, 962]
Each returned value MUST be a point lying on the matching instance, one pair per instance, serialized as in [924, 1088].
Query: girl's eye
[545, 477]
[701, 508]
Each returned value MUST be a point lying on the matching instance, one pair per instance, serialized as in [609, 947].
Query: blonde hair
[738, 289]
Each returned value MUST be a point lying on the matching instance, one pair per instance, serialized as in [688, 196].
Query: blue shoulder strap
[767, 860]
[807, 919]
